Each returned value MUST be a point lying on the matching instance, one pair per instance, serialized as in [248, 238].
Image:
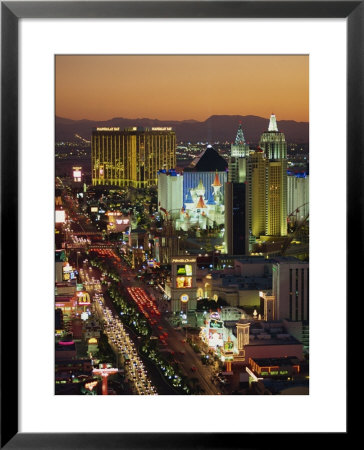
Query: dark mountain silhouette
[216, 128]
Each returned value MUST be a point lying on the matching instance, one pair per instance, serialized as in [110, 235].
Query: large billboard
[184, 269]
[83, 298]
[67, 272]
[184, 282]
[215, 338]
[77, 174]
[60, 216]
[215, 323]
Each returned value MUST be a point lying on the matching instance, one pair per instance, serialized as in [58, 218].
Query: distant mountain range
[216, 128]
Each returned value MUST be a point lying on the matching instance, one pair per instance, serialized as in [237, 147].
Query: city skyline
[181, 267]
[181, 87]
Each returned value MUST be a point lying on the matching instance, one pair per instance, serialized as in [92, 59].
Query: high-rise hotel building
[237, 159]
[257, 175]
[267, 184]
[131, 157]
[274, 145]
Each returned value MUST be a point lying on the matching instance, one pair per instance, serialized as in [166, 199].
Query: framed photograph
[206, 98]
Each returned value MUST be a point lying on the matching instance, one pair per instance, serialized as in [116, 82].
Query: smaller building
[275, 367]
[182, 286]
[170, 192]
[65, 350]
[65, 368]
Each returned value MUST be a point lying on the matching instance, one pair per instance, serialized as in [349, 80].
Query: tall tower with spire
[237, 159]
[274, 145]
[273, 142]
[239, 148]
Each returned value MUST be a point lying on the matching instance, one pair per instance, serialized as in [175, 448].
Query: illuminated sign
[108, 129]
[187, 260]
[65, 343]
[77, 173]
[215, 315]
[184, 298]
[215, 323]
[84, 298]
[161, 128]
[183, 282]
[94, 209]
[215, 338]
[228, 347]
[79, 287]
[186, 269]
[60, 216]
[92, 340]
[91, 385]
[67, 272]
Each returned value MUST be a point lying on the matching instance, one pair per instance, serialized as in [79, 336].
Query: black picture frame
[11, 12]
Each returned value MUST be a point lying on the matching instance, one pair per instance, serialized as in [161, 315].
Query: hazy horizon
[178, 120]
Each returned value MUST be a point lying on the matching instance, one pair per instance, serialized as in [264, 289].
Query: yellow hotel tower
[267, 184]
[131, 157]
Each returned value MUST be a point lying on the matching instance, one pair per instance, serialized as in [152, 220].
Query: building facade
[182, 288]
[236, 236]
[237, 169]
[170, 192]
[297, 197]
[257, 174]
[267, 185]
[131, 157]
[274, 146]
[204, 205]
[291, 290]
[237, 160]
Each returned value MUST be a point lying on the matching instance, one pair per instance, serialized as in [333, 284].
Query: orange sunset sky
[181, 87]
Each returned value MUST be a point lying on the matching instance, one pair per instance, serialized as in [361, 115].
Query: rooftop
[208, 161]
[276, 361]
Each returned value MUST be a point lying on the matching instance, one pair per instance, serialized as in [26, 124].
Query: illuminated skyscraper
[275, 147]
[257, 174]
[239, 148]
[131, 157]
[237, 160]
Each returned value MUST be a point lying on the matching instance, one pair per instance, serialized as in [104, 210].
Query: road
[173, 340]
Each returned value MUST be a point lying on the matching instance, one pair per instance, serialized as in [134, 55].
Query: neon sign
[83, 298]
[108, 129]
[215, 315]
[215, 324]
[187, 260]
